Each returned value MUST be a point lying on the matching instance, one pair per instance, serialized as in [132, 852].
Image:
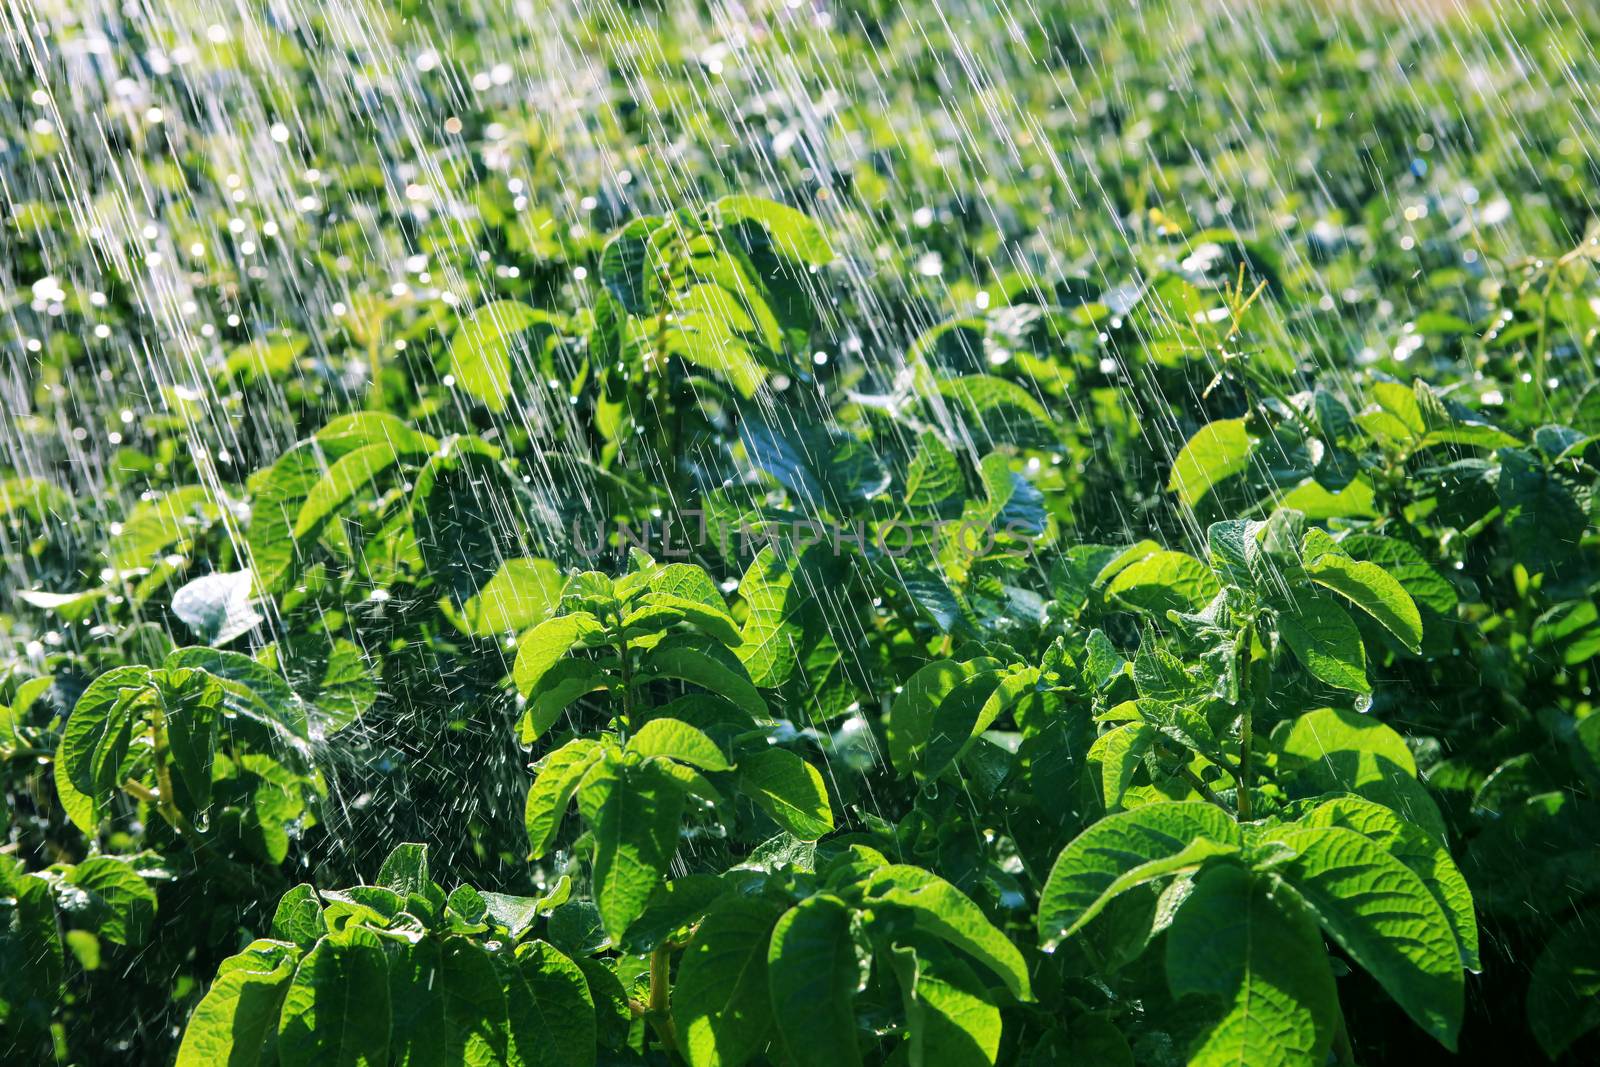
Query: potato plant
[714, 573]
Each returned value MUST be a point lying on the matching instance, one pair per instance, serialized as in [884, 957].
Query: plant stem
[165, 804]
[659, 391]
[1245, 740]
[1247, 697]
[658, 1011]
[1202, 788]
[1342, 1051]
[627, 682]
[375, 369]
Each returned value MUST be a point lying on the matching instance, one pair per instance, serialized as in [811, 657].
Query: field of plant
[809, 533]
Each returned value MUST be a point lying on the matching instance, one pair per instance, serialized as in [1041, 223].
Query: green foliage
[395, 972]
[818, 585]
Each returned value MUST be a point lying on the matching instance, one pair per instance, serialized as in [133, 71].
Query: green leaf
[633, 812]
[1366, 585]
[69, 607]
[1544, 521]
[934, 474]
[692, 781]
[465, 513]
[546, 643]
[1355, 501]
[250, 689]
[1384, 917]
[723, 674]
[1420, 852]
[711, 325]
[678, 741]
[930, 593]
[771, 633]
[1339, 751]
[790, 790]
[550, 1009]
[1218, 451]
[405, 870]
[264, 357]
[720, 999]
[217, 607]
[944, 911]
[335, 679]
[1125, 850]
[1090, 1039]
[160, 526]
[31, 960]
[659, 611]
[480, 350]
[1103, 661]
[236, 1022]
[1262, 961]
[744, 270]
[522, 592]
[625, 267]
[32, 496]
[299, 917]
[1325, 640]
[555, 690]
[194, 711]
[82, 809]
[559, 776]
[823, 467]
[912, 714]
[1001, 412]
[1162, 678]
[119, 904]
[592, 593]
[336, 1012]
[1165, 581]
[1118, 752]
[447, 1005]
[675, 909]
[1564, 995]
[346, 433]
[340, 484]
[686, 581]
[965, 714]
[516, 914]
[98, 731]
[950, 1019]
[1398, 415]
[793, 233]
[813, 973]
[613, 1017]
[1427, 587]
[1317, 734]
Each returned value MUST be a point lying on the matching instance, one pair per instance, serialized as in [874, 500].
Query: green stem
[1202, 788]
[1478, 527]
[658, 1011]
[1245, 741]
[165, 804]
[659, 392]
[375, 369]
[1541, 355]
[1247, 696]
[1342, 1051]
[627, 681]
